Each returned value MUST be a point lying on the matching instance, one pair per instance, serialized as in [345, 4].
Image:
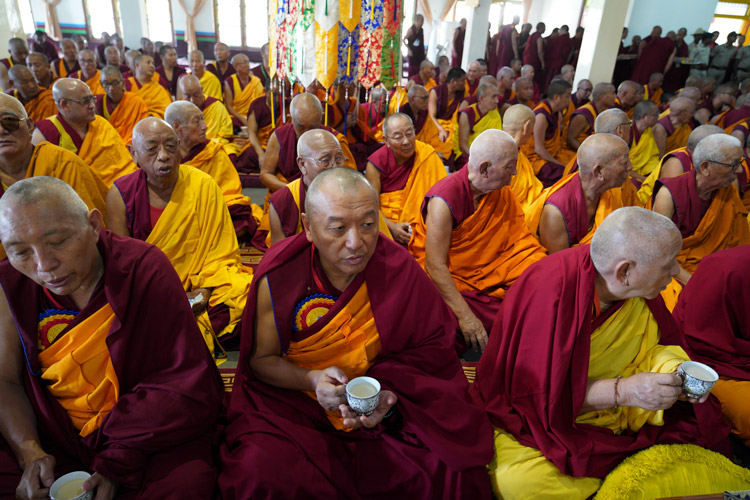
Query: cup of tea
[69, 487]
[363, 395]
[698, 379]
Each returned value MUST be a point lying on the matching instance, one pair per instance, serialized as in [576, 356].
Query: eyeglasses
[85, 101]
[426, 96]
[113, 84]
[400, 137]
[625, 124]
[732, 166]
[10, 123]
[334, 161]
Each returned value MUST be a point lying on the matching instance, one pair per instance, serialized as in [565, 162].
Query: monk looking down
[402, 171]
[209, 82]
[474, 120]
[582, 121]
[518, 121]
[77, 128]
[37, 100]
[77, 299]
[672, 131]
[182, 211]
[218, 120]
[240, 89]
[423, 441]
[474, 238]
[121, 108]
[39, 65]
[145, 83]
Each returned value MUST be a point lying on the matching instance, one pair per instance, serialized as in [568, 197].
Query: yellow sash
[155, 96]
[525, 184]
[349, 341]
[211, 86]
[647, 187]
[242, 98]
[78, 371]
[214, 161]
[491, 120]
[644, 154]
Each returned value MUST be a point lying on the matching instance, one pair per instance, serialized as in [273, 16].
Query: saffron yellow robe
[644, 153]
[94, 82]
[647, 186]
[241, 98]
[131, 109]
[155, 96]
[211, 86]
[490, 120]
[41, 107]
[219, 122]
[525, 184]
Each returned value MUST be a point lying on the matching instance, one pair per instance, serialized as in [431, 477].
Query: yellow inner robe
[349, 341]
[626, 343]
[94, 82]
[555, 146]
[78, 372]
[490, 120]
[647, 186]
[211, 86]
[131, 109]
[218, 121]
[102, 149]
[155, 96]
[644, 154]
[196, 233]
[41, 107]
[242, 98]
[525, 184]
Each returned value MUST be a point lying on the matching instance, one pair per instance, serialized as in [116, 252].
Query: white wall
[555, 13]
[10, 21]
[671, 15]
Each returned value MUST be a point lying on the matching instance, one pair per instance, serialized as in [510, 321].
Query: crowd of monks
[584, 242]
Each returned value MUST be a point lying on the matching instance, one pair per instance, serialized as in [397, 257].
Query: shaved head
[701, 133]
[337, 182]
[240, 58]
[601, 89]
[41, 189]
[683, 108]
[516, 117]
[69, 88]
[180, 111]
[306, 110]
[489, 80]
[599, 149]
[197, 54]
[149, 126]
[18, 72]
[492, 160]
[189, 83]
[86, 52]
[607, 121]
[692, 93]
[9, 104]
[315, 140]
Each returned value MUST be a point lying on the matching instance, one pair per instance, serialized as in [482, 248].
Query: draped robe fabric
[129, 111]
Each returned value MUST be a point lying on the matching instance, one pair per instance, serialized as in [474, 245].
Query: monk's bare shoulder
[10, 345]
[553, 233]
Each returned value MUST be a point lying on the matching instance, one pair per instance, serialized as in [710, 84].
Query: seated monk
[629, 93]
[652, 91]
[569, 213]
[86, 361]
[289, 411]
[545, 150]
[443, 106]
[240, 89]
[218, 120]
[672, 131]
[39, 65]
[425, 77]
[474, 120]
[18, 52]
[579, 370]
[182, 211]
[169, 70]
[121, 108]
[527, 71]
[209, 83]
[263, 117]
[37, 100]
[524, 89]
[147, 84]
[77, 128]
[704, 204]
[402, 171]
[712, 313]
[473, 74]
[468, 100]
[644, 153]
[518, 121]
[675, 162]
[425, 128]
[68, 63]
[112, 57]
[280, 163]
[209, 156]
[88, 74]
[222, 67]
[472, 240]
[505, 92]
[582, 120]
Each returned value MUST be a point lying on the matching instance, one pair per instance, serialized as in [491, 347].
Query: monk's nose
[46, 261]
[353, 239]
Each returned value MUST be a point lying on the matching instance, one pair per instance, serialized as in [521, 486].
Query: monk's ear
[483, 168]
[598, 171]
[623, 269]
[703, 168]
[95, 220]
[301, 166]
[306, 226]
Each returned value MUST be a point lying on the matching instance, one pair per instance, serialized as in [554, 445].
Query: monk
[77, 128]
[18, 52]
[261, 123]
[578, 373]
[210, 157]
[518, 121]
[424, 440]
[524, 90]
[149, 49]
[474, 120]
[472, 78]
[545, 150]
[88, 72]
[280, 163]
[652, 91]
[644, 152]
[402, 171]
[504, 46]
[655, 54]
[528, 71]
[240, 89]
[715, 108]
[457, 48]
[713, 319]
[209, 82]
[582, 120]
[704, 204]
[148, 85]
[533, 53]
[556, 53]
[582, 93]
[215, 114]
[37, 100]
[112, 57]
[121, 108]
[472, 240]
[78, 305]
[425, 77]
[629, 93]
[426, 130]
[169, 70]
[505, 92]
[43, 45]
[39, 65]
[672, 131]
[262, 70]
[443, 104]
[222, 68]
[182, 211]
[68, 63]
[569, 213]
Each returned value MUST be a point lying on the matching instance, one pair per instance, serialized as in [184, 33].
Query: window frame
[243, 25]
[173, 41]
[87, 15]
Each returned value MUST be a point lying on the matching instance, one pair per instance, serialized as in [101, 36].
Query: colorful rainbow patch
[52, 322]
[311, 309]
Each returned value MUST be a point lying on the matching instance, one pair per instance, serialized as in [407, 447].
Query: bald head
[189, 84]
[316, 140]
[394, 120]
[148, 127]
[240, 59]
[11, 105]
[701, 133]
[488, 80]
[489, 145]
[692, 93]
[18, 73]
[601, 91]
[516, 117]
[337, 183]
[69, 88]
[600, 149]
[180, 112]
[607, 121]
[306, 110]
[628, 93]
[681, 110]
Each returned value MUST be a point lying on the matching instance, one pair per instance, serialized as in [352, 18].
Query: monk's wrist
[27, 452]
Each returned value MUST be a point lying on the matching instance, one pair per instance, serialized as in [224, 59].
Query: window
[731, 9]
[242, 23]
[730, 15]
[102, 16]
[27, 19]
[159, 21]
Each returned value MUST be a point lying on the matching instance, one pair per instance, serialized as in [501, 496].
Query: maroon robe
[503, 98]
[713, 313]
[248, 161]
[260, 72]
[48, 49]
[393, 176]
[676, 76]
[531, 54]
[287, 210]
[287, 138]
[157, 439]
[504, 52]
[653, 59]
[556, 55]
[419, 120]
[214, 68]
[571, 202]
[415, 43]
[689, 208]
[740, 114]
[444, 110]
[474, 116]
[685, 157]
[177, 72]
[458, 47]
[578, 102]
[435, 445]
[532, 377]
[492, 54]
[61, 63]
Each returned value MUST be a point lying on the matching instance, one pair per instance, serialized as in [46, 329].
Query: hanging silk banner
[305, 67]
[391, 48]
[350, 13]
[273, 37]
[370, 42]
[326, 41]
[292, 23]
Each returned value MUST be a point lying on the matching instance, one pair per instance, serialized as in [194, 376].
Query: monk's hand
[351, 419]
[443, 134]
[38, 476]
[401, 232]
[200, 302]
[650, 391]
[330, 387]
[474, 333]
[105, 488]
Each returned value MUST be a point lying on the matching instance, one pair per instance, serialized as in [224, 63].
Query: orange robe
[242, 97]
[524, 184]
[155, 96]
[39, 108]
[676, 137]
[129, 111]
[218, 120]
[554, 140]
[94, 82]
[589, 112]
[211, 86]
[102, 149]
[654, 96]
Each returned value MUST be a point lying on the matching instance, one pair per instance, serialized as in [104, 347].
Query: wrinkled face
[169, 58]
[305, 121]
[19, 52]
[326, 154]
[15, 133]
[70, 51]
[723, 170]
[41, 70]
[616, 171]
[194, 94]
[344, 229]
[27, 86]
[112, 55]
[420, 100]
[524, 91]
[499, 172]
[56, 252]
[401, 139]
[584, 90]
[427, 72]
[528, 72]
[221, 52]
[648, 280]
[473, 73]
[242, 65]
[157, 152]
[193, 131]
[650, 118]
[197, 65]
[114, 87]
[146, 66]
[87, 62]
[78, 105]
[560, 101]
[505, 81]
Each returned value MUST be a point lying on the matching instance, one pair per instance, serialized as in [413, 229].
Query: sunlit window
[256, 23]
[242, 23]
[159, 20]
[101, 16]
[27, 18]
[229, 22]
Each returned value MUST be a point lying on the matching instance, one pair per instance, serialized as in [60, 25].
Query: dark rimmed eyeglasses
[10, 123]
[86, 101]
[732, 166]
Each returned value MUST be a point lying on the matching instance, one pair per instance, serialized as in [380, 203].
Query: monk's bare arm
[252, 135]
[229, 103]
[37, 137]
[671, 168]
[373, 175]
[439, 224]
[540, 129]
[4, 78]
[647, 390]
[514, 43]
[270, 165]
[664, 204]
[117, 218]
[553, 233]
[660, 137]
[463, 133]
[277, 234]
[409, 84]
[670, 61]
[432, 107]
[577, 125]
